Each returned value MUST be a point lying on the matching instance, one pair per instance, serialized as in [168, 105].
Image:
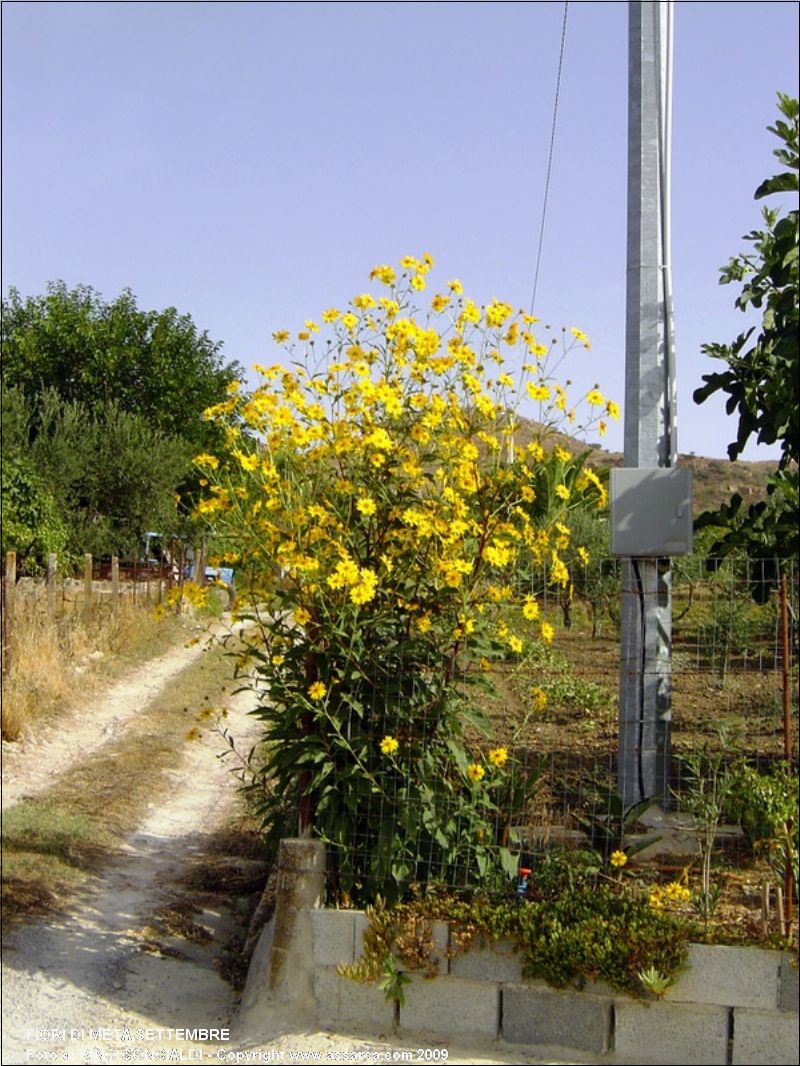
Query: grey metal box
[651, 511]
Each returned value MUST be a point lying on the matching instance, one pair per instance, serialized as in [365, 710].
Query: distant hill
[715, 480]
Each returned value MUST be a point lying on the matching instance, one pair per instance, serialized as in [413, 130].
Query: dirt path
[95, 984]
[31, 765]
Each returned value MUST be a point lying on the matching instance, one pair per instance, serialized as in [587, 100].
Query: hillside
[715, 480]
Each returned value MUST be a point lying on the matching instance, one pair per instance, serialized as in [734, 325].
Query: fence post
[87, 587]
[52, 567]
[787, 744]
[9, 582]
[115, 582]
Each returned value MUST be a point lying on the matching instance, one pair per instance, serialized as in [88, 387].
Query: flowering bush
[377, 495]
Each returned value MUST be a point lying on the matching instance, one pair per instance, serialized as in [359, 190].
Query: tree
[154, 363]
[105, 402]
[762, 379]
[88, 480]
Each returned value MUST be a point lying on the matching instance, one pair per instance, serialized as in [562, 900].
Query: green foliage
[32, 525]
[103, 477]
[762, 379]
[610, 824]
[705, 797]
[92, 352]
[766, 803]
[106, 401]
[376, 490]
[655, 982]
[576, 929]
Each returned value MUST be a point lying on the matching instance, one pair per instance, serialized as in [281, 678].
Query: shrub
[376, 494]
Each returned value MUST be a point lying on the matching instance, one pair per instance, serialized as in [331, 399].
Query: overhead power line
[550, 154]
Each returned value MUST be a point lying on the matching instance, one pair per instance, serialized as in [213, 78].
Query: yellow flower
[455, 286]
[613, 410]
[206, 460]
[562, 492]
[595, 398]
[311, 326]
[301, 616]
[330, 315]
[515, 644]
[580, 336]
[475, 772]
[498, 757]
[366, 506]
[538, 698]
[280, 336]
[538, 392]
[384, 274]
[317, 691]
[389, 745]
[583, 555]
[364, 301]
[547, 633]
[418, 282]
[530, 609]
[618, 858]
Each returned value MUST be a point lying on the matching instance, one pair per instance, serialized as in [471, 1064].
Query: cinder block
[764, 1038]
[488, 960]
[788, 993]
[443, 1006]
[729, 977]
[666, 1033]
[536, 1014]
[342, 1001]
[333, 936]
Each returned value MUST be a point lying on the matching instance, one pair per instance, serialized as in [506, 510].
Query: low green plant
[705, 798]
[596, 931]
[393, 981]
[767, 805]
[610, 822]
[655, 982]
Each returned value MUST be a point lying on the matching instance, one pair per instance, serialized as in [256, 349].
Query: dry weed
[53, 659]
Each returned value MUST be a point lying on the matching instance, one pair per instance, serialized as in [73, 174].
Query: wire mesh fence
[463, 811]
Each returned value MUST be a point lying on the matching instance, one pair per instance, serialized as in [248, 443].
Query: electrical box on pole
[651, 512]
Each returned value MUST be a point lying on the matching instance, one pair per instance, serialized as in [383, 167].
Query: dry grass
[53, 659]
[53, 842]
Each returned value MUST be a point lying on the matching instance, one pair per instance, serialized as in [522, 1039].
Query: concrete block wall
[731, 1005]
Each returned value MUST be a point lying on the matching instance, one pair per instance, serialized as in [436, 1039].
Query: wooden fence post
[87, 587]
[9, 583]
[115, 582]
[50, 581]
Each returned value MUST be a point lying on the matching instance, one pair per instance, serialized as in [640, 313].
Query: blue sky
[248, 163]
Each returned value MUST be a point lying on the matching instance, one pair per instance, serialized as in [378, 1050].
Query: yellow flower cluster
[384, 478]
[674, 892]
[498, 757]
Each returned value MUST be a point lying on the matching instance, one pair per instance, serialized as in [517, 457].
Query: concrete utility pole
[646, 604]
